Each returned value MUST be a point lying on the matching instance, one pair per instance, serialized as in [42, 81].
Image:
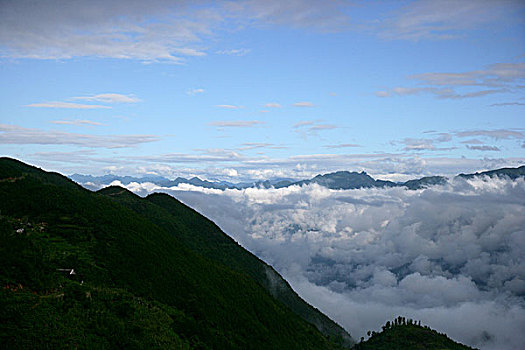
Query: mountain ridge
[135, 284]
[336, 180]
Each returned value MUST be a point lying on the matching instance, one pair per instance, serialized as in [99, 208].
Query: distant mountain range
[340, 180]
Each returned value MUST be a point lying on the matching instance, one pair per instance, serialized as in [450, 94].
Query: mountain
[81, 269]
[203, 236]
[402, 334]
[424, 182]
[345, 180]
[512, 173]
[339, 180]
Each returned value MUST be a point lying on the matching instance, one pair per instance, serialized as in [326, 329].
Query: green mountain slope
[136, 285]
[203, 236]
[405, 334]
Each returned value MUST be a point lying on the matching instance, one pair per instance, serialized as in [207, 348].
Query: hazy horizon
[261, 89]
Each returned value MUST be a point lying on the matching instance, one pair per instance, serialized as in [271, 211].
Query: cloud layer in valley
[449, 255]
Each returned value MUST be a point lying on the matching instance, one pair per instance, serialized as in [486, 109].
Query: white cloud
[303, 104]
[229, 106]
[66, 105]
[273, 105]
[193, 92]
[158, 31]
[304, 123]
[343, 145]
[236, 123]
[255, 145]
[109, 98]
[446, 19]
[496, 134]
[234, 52]
[450, 255]
[323, 127]
[312, 14]
[483, 148]
[312, 127]
[505, 104]
[496, 78]
[17, 135]
[77, 122]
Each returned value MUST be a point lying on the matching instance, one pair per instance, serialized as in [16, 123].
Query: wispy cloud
[343, 145]
[425, 144]
[13, 134]
[109, 98]
[255, 145]
[497, 74]
[193, 92]
[69, 105]
[234, 52]
[303, 104]
[495, 134]
[443, 93]
[229, 106]
[506, 104]
[312, 14]
[473, 142]
[77, 122]
[273, 105]
[483, 148]
[445, 19]
[494, 79]
[237, 123]
[323, 127]
[312, 127]
[215, 156]
[304, 123]
[159, 31]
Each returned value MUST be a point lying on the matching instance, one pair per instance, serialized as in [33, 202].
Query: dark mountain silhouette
[148, 273]
[403, 334]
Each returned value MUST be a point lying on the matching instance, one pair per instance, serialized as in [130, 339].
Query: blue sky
[239, 90]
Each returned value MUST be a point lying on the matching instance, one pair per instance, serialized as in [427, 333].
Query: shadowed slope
[135, 284]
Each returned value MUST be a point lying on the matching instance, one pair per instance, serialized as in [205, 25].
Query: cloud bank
[449, 255]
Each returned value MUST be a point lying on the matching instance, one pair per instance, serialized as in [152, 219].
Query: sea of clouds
[451, 256]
